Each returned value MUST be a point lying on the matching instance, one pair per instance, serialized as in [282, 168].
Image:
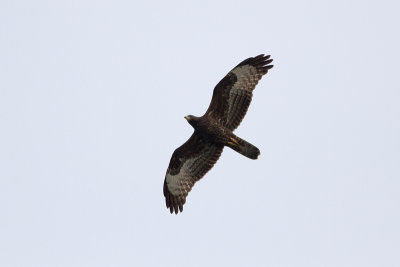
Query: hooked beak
[187, 118]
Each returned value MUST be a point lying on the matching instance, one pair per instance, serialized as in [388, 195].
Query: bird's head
[191, 119]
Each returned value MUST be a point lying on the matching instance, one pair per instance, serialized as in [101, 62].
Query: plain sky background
[92, 100]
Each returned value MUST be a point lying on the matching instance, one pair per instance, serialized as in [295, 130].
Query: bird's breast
[213, 132]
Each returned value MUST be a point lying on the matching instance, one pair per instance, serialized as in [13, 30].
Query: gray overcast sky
[92, 100]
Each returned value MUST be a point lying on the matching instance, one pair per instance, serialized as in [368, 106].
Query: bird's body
[214, 130]
[209, 129]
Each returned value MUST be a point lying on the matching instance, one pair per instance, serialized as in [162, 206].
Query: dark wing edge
[232, 95]
[188, 164]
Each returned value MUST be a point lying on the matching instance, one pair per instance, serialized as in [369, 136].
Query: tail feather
[244, 148]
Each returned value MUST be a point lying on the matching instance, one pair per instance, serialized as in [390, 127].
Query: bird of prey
[214, 130]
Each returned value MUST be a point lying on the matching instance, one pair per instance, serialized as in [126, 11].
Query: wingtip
[174, 204]
[259, 56]
[260, 61]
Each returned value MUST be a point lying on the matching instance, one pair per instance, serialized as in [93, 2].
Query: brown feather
[229, 103]
[202, 156]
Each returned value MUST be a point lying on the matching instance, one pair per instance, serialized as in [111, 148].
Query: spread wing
[232, 95]
[188, 164]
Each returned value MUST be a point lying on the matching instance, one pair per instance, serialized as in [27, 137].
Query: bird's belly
[215, 134]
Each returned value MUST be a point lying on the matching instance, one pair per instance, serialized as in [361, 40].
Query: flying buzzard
[214, 130]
